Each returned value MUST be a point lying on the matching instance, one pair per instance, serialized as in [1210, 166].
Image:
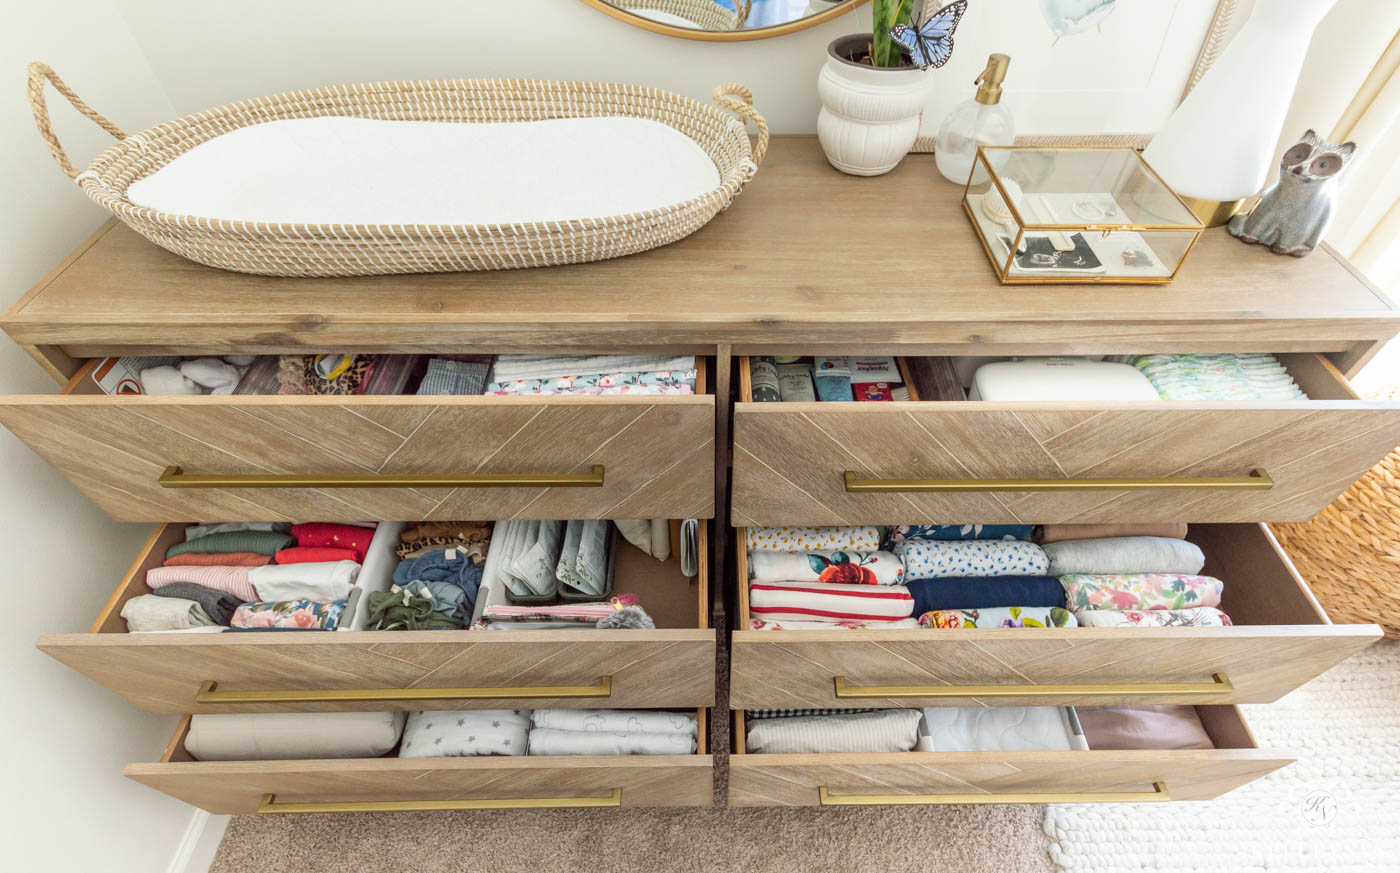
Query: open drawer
[865, 779]
[671, 666]
[270, 457]
[1052, 462]
[393, 784]
[1280, 639]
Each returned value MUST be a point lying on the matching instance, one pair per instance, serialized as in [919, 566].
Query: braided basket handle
[39, 73]
[738, 99]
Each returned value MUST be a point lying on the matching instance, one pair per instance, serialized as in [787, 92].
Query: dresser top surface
[806, 257]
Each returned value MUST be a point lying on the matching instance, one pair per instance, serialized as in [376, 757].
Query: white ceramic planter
[870, 115]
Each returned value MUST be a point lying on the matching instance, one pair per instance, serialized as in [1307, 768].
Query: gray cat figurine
[1294, 214]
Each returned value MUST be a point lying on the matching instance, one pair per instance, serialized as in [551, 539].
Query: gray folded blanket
[1124, 556]
[218, 605]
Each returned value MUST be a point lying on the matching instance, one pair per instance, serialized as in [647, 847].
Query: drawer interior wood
[1067, 462]
[671, 666]
[1097, 776]
[239, 787]
[1280, 639]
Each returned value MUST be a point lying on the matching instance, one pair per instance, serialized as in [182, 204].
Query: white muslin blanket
[547, 741]
[314, 580]
[616, 721]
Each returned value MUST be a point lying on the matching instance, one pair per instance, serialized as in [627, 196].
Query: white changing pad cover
[996, 729]
[337, 170]
[292, 736]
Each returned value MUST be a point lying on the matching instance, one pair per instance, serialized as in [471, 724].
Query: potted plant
[872, 95]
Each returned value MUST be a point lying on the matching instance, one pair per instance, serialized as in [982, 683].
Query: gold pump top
[990, 79]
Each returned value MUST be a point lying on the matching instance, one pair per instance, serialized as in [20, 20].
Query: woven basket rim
[114, 199]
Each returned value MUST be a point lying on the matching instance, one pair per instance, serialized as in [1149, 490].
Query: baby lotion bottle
[979, 121]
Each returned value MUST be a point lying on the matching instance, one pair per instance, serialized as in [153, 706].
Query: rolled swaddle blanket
[1124, 555]
[845, 568]
[934, 559]
[999, 616]
[1141, 591]
[933, 595]
[1200, 616]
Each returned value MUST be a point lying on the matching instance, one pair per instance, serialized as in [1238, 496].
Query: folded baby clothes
[473, 537]
[847, 568]
[998, 729]
[465, 733]
[1141, 591]
[195, 531]
[792, 713]
[1124, 555]
[399, 609]
[447, 598]
[451, 564]
[933, 559]
[651, 535]
[817, 601]
[297, 614]
[547, 741]
[218, 605]
[1200, 616]
[325, 580]
[897, 624]
[334, 536]
[510, 368]
[616, 721]
[885, 730]
[259, 542]
[583, 558]
[227, 559]
[453, 377]
[901, 532]
[795, 538]
[231, 580]
[1052, 533]
[979, 592]
[1143, 727]
[167, 380]
[1000, 616]
[218, 376]
[149, 612]
[290, 736]
[314, 554]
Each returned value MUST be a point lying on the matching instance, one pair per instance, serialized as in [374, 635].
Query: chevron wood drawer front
[1005, 777]
[792, 460]
[669, 667]
[240, 787]
[656, 453]
[1280, 639]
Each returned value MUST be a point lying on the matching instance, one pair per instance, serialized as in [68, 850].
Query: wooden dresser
[806, 261]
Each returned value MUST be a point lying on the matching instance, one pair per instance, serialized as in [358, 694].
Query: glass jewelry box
[1077, 215]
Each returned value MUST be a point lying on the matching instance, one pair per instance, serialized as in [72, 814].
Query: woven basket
[707, 14]
[279, 249]
[1350, 552]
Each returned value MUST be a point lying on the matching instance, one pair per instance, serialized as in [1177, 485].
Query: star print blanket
[464, 733]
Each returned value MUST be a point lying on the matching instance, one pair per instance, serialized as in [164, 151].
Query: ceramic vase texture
[870, 115]
[1218, 146]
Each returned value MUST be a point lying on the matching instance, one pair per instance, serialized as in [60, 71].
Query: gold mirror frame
[723, 35]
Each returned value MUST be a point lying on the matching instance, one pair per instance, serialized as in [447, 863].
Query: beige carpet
[957, 839]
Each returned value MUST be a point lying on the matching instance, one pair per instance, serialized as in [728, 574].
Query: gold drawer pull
[174, 477]
[1158, 794]
[269, 804]
[208, 693]
[1219, 684]
[1257, 480]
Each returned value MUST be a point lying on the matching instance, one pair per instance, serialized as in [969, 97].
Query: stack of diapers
[884, 730]
[1253, 376]
[825, 578]
[1000, 729]
[254, 576]
[465, 733]
[292, 735]
[612, 732]
[1123, 581]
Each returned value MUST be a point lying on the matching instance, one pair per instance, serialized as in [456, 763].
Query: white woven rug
[1336, 810]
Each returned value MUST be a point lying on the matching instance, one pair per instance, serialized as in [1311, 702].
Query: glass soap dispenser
[979, 121]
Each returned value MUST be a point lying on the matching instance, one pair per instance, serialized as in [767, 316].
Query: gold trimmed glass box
[1077, 215]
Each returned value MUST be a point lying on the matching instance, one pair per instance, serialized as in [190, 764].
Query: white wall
[64, 740]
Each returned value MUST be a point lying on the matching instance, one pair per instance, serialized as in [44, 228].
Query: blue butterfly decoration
[931, 43]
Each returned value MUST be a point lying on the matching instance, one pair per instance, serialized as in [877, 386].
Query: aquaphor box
[1062, 379]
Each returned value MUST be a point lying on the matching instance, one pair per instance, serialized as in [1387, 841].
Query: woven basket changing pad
[423, 176]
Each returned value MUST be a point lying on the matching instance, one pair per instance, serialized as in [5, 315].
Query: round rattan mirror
[724, 20]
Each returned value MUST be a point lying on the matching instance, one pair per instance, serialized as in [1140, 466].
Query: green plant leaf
[818, 563]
